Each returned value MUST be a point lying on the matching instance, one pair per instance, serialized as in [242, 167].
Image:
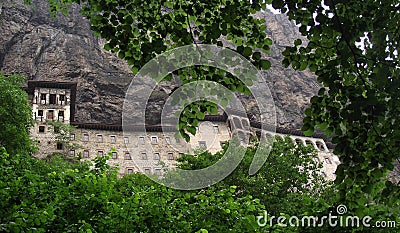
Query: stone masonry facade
[147, 152]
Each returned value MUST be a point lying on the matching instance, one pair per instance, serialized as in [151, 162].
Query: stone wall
[147, 152]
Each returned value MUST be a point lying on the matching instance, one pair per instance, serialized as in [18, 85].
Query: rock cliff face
[64, 49]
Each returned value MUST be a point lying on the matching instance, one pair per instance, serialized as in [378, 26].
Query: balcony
[49, 118]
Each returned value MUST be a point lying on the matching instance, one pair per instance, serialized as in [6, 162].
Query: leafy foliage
[63, 134]
[70, 197]
[353, 49]
[59, 196]
[289, 182]
[15, 115]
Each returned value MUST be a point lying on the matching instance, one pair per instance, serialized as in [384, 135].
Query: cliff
[64, 49]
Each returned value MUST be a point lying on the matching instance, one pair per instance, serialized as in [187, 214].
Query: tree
[63, 135]
[59, 196]
[289, 181]
[288, 184]
[353, 49]
[15, 115]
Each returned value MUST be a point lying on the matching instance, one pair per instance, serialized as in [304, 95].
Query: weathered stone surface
[64, 49]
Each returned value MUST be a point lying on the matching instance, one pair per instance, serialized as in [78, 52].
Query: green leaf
[265, 64]
[309, 132]
[303, 65]
[191, 130]
[107, 47]
[256, 56]
[200, 115]
[247, 51]
[134, 70]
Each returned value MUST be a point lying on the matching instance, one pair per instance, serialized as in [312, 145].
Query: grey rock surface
[64, 49]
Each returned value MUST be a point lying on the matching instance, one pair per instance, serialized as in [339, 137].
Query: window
[43, 97]
[85, 137]
[268, 136]
[50, 115]
[308, 142]
[62, 97]
[127, 156]
[147, 171]
[52, 98]
[216, 129]
[72, 137]
[40, 112]
[114, 155]
[72, 153]
[156, 156]
[157, 171]
[112, 138]
[126, 140]
[327, 160]
[202, 144]
[100, 153]
[154, 139]
[316, 159]
[168, 140]
[129, 170]
[144, 156]
[100, 138]
[320, 145]
[141, 140]
[170, 156]
[61, 115]
[278, 137]
[41, 129]
[59, 146]
[85, 154]
[298, 141]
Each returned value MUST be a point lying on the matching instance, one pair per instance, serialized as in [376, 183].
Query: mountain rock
[64, 49]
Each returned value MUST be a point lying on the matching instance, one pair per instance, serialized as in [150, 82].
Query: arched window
[299, 141]
[309, 142]
[320, 145]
